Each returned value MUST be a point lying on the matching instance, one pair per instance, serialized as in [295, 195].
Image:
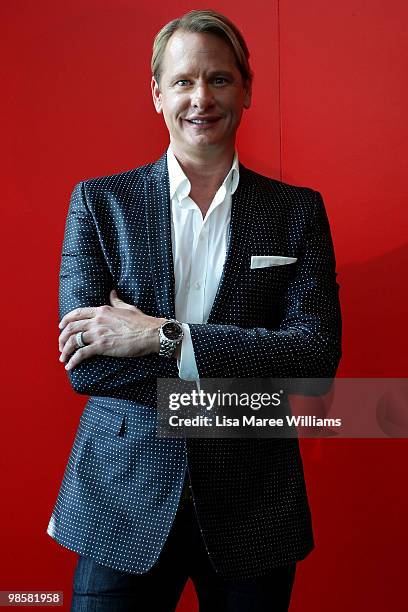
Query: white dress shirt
[199, 250]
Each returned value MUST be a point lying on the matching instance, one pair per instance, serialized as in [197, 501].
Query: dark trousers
[98, 588]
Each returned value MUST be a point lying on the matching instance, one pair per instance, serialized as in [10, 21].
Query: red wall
[329, 111]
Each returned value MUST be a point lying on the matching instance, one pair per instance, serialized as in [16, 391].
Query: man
[171, 270]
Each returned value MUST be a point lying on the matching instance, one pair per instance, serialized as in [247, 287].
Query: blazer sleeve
[307, 342]
[86, 280]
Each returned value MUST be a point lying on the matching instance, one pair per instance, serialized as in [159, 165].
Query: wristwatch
[170, 335]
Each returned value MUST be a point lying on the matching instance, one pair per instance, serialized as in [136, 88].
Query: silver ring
[79, 339]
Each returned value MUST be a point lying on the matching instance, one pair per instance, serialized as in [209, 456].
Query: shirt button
[197, 285]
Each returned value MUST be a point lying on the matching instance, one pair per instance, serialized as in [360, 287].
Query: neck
[206, 172]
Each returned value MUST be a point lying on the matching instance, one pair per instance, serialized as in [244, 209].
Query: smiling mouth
[203, 122]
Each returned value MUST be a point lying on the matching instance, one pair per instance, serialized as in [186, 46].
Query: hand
[118, 330]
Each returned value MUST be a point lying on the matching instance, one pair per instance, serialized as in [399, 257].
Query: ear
[248, 94]
[156, 94]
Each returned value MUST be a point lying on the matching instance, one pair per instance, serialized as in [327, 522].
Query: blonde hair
[207, 22]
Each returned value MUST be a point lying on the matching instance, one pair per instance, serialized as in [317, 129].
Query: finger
[76, 315]
[72, 329]
[71, 346]
[80, 355]
[118, 303]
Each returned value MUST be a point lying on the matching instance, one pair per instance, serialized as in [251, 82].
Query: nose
[202, 96]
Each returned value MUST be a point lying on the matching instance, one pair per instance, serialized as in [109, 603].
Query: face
[201, 93]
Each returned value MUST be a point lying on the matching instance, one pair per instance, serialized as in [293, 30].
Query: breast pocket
[271, 278]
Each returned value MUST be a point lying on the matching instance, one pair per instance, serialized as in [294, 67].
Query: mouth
[202, 122]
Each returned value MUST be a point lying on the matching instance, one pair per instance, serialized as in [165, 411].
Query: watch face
[172, 331]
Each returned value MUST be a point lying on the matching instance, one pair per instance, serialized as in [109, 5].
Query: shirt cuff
[187, 364]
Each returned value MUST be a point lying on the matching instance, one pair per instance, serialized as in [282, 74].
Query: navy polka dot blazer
[122, 484]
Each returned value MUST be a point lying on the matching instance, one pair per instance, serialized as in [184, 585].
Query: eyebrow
[214, 73]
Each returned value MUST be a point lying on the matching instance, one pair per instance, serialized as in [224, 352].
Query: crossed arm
[115, 330]
[123, 341]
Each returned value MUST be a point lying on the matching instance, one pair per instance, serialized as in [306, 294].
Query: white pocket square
[265, 261]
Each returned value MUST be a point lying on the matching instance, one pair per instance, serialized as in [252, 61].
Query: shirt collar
[181, 186]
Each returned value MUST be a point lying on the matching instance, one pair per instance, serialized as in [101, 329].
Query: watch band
[168, 346]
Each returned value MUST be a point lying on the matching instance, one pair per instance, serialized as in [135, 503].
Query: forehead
[197, 51]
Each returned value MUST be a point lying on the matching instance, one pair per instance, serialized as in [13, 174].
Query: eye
[182, 82]
[220, 80]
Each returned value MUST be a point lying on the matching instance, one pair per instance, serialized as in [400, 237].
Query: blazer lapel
[243, 204]
[159, 237]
